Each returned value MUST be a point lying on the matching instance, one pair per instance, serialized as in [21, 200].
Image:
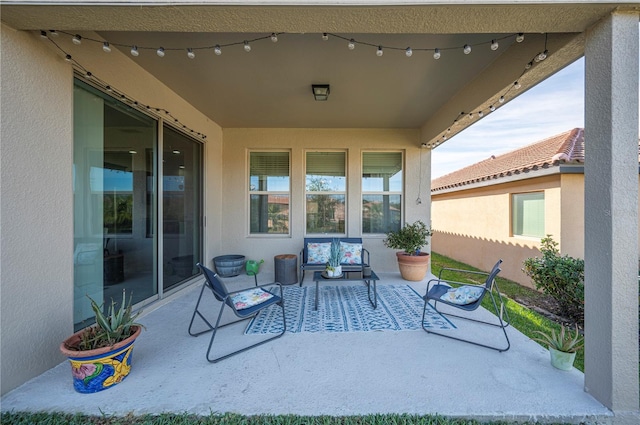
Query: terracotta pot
[102, 368]
[413, 267]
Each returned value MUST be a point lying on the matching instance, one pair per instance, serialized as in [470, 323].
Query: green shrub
[562, 277]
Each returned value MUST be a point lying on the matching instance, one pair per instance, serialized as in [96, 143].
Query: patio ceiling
[271, 85]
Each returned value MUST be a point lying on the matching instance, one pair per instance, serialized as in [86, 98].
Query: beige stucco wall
[36, 217]
[474, 225]
[238, 142]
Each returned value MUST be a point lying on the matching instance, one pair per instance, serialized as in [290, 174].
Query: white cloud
[552, 107]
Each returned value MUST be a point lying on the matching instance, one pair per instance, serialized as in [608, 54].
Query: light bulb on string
[190, 53]
[517, 85]
[436, 53]
[542, 56]
[134, 51]
[247, 46]
[379, 52]
[274, 37]
[217, 50]
[352, 44]
[470, 116]
[501, 100]
[77, 39]
[53, 33]
[89, 75]
[160, 52]
[408, 52]
[494, 45]
[106, 47]
[67, 58]
[466, 49]
[43, 34]
[520, 37]
[480, 114]
[109, 89]
[325, 37]
[492, 108]
[529, 65]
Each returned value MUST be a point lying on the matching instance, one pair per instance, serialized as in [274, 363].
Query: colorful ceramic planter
[102, 368]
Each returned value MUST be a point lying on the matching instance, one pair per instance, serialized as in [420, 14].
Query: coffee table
[349, 277]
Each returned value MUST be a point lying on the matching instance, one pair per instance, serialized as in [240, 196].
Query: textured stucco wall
[237, 143]
[474, 226]
[36, 274]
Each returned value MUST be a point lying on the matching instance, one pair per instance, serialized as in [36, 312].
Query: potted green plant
[562, 346]
[410, 239]
[100, 355]
[334, 269]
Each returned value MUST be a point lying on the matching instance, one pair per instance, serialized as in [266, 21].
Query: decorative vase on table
[100, 355]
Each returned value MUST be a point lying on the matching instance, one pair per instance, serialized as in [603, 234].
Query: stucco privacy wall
[36, 276]
[238, 142]
[474, 225]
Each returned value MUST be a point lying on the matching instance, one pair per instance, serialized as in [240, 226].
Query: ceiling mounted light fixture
[320, 91]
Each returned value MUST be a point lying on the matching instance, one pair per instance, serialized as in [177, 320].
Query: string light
[134, 51]
[466, 49]
[274, 37]
[325, 36]
[436, 53]
[77, 39]
[160, 52]
[494, 45]
[352, 44]
[43, 34]
[379, 52]
[408, 52]
[247, 46]
[53, 33]
[217, 50]
[106, 47]
[516, 86]
[190, 53]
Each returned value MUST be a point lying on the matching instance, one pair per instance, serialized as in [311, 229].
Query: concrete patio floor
[335, 374]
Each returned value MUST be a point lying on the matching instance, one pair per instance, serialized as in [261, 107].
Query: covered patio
[405, 77]
[325, 373]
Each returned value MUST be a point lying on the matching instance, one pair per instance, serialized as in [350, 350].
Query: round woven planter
[413, 267]
[102, 368]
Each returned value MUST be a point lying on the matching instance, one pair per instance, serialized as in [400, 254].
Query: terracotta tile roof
[567, 147]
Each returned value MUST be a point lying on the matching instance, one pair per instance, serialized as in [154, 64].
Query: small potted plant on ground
[100, 355]
[410, 239]
[334, 269]
[562, 346]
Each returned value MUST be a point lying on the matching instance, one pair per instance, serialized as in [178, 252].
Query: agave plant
[561, 341]
[110, 328]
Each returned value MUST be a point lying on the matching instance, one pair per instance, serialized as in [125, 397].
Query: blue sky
[552, 107]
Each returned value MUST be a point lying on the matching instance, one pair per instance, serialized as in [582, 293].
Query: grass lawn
[522, 318]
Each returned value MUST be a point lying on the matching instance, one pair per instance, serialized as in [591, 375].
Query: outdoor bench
[354, 256]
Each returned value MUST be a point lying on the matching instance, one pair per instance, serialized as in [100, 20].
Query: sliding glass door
[116, 204]
[181, 207]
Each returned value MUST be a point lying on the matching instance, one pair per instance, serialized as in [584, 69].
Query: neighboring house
[501, 207]
[141, 137]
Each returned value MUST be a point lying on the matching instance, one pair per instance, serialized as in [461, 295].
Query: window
[381, 191]
[528, 214]
[269, 192]
[325, 186]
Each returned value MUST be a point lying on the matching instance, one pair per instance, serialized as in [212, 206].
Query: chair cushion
[463, 295]
[250, 297]
[318, 252]
[350, 253]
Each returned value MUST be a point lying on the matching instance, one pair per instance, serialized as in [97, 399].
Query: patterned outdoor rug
[346, 308]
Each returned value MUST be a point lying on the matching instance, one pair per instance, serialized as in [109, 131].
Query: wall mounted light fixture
[320, 91]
